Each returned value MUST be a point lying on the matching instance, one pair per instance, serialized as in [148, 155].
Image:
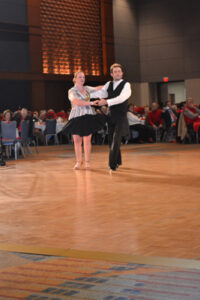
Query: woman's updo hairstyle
[76, 74]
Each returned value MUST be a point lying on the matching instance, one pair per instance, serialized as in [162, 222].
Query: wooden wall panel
[35, 45]
[71, 36]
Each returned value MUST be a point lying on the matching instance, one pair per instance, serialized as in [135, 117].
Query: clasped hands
[100, 102]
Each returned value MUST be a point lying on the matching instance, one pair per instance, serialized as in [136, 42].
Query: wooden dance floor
[150, 206]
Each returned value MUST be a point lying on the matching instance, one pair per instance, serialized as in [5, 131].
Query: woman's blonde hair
[76, 74]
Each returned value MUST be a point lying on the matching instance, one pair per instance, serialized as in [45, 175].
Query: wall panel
[71, 36]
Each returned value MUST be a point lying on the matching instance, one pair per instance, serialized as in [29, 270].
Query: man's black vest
[119, 110]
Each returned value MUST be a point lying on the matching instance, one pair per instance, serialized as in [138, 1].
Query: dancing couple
[84, 121]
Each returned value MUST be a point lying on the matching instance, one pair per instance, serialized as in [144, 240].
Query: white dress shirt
[124, 95]
[133, 119]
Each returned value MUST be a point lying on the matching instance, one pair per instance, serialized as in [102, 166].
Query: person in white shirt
[135, 123]
[115, 94]
[132, 119]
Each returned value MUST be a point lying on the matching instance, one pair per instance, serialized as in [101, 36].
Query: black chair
[50, 131]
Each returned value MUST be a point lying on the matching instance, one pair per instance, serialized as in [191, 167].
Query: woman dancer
[83, 121]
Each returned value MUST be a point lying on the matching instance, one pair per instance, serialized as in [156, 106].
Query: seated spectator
[35, 116]
[192, 118]
[42, 115]
[21, 116]
[135, 123]
[191, 113]
[175, 108]
[62, 114]
[51, 115]
[169, 116]
[7, 116]
[155, 119]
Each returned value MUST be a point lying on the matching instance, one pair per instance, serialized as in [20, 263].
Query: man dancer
[116, 93]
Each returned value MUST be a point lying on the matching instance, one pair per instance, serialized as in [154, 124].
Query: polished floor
[149, 207]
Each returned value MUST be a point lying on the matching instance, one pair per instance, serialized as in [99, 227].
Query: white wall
[193, 89]
[177, 88]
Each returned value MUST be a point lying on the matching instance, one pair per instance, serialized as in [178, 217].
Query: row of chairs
[10, 138]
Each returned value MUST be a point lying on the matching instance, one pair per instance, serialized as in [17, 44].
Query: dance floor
[149, 207]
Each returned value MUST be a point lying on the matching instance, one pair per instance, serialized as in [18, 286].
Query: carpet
[31, 276]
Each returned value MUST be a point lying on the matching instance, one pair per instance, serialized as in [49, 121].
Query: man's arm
[92, 89]
[102, 93]
[125, 94]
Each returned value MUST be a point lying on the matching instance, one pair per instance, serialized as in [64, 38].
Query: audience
[143, 120]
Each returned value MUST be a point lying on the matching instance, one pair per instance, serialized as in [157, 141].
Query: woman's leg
[87, 149]
[78, 150]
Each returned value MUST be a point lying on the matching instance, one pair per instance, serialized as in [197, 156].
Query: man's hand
[95, 103]
[161, 125]
[102, 102]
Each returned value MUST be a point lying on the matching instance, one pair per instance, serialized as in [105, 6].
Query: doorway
[162, 92]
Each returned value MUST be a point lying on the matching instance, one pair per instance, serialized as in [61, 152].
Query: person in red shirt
[62, 114]
[51, 115]
[155, 118]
